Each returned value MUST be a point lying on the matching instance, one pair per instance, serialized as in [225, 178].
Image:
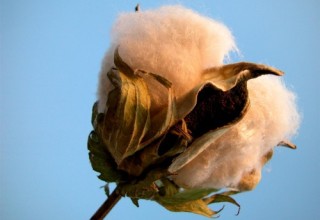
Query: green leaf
[144, 188]
[167, 189]
[94, 114]
[101, 160]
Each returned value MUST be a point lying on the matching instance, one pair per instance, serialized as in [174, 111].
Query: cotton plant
[173, 123]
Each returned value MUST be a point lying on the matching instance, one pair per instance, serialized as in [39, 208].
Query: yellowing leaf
[184, 201]
[127, 127]
[222, 197]
[194, 201]
[196, 206]
[189, 195]
[127, 117]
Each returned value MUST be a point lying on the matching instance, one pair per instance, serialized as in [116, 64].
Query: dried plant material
[218, 109]
[126, 126]
[249, 180]
[173, 124]
[287, 144]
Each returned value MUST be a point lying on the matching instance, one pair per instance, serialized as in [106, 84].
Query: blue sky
[50, 56]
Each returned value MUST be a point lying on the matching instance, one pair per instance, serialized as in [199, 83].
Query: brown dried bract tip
[137, 8]
[249, 180]
[287, 144]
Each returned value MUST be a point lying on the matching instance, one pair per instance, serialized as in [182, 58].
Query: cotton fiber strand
[171, 41]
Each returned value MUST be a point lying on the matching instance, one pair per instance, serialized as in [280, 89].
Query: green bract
[139, 147]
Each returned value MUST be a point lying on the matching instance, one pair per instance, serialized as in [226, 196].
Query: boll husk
[173, 123]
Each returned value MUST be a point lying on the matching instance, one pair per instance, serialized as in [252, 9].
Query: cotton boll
[235, 159]
[172, 41]
[179, 44]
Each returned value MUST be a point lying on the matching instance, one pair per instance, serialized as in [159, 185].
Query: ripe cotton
[179, 44]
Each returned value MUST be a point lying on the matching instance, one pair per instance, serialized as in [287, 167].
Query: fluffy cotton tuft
[272, 117]
[179, 44]
[171, 41]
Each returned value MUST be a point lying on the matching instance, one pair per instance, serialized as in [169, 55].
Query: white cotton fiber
[271, 118]
[179, 44]
[171, 41]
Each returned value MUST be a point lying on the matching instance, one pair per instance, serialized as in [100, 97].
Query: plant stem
[107, 206]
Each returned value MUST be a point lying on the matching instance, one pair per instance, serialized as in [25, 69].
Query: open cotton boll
[179, 44]
[171, 41]
[271, 118]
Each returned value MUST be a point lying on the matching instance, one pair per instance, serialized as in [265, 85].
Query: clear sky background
[50, 56]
